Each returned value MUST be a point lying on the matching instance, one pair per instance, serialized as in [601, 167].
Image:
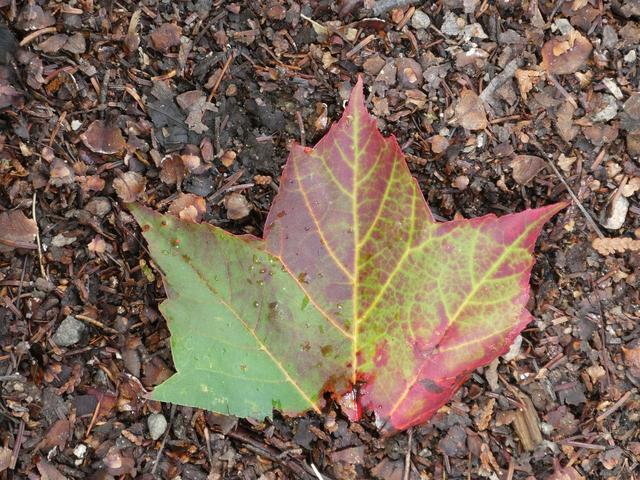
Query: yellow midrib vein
[355, 133]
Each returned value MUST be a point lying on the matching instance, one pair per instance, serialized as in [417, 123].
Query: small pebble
[420, 20]
[45, 285]
[69, 332]
[452, 25]
[616, 213]
[157, 425]
[630, 57]
[80, 450]
[608, 111]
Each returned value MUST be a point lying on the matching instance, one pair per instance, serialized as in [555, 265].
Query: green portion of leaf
[245, 338]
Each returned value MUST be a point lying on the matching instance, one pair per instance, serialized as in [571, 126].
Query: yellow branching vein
[325, 243]
[260, 343]
[463, 305]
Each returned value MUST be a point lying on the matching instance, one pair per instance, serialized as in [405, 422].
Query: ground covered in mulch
[191, 106]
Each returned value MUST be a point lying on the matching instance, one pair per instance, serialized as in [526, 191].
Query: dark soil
[203, 97]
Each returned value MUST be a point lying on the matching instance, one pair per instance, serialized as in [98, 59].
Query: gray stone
[69, 332]
[608, 112]
[616, 213]
[157, 425]
[420, 20]
[452, 25]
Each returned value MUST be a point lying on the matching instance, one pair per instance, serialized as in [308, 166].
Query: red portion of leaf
[423, 304]
[445, 357]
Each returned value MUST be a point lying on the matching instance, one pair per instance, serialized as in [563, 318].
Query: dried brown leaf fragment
[188, 206]
[166, 36]
[237, 205]
[103, 138]
[526, 167]
[129, 186]
[470, 111]
[566, 54]
[17, 231]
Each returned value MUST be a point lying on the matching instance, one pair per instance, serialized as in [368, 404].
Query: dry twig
[407, 457]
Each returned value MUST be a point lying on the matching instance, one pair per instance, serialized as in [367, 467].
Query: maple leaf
[355, 289]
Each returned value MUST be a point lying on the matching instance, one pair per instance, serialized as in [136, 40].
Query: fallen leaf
[33, 17]
[489, 466]
[482, 415]
[631, 355]
[131, 41]
[76, 44]
[57, 435]
[9, 96]
[631, 187]
[118, 462]
[129, 186]
[388, 469]
[54, 43]
[610, 458]
[566, 54]
[470, 111]
[564, 120]
[191, 162]
[438, 143]
[565, 163]
[97, 245]
[355, 289]
[195, 104]
[17, 231]
[103, 138]
[172, 170]
[228, 158]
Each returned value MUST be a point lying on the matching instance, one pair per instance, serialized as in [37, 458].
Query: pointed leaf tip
[356, 97]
